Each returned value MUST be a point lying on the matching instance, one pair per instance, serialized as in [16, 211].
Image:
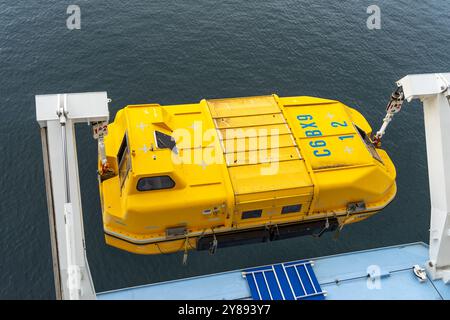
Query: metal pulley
[100, 130]
[394, 106]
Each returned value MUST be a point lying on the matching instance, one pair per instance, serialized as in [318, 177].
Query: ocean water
[182, 51]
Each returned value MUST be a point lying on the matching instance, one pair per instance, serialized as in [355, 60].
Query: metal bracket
[355, 207]
[445, 87]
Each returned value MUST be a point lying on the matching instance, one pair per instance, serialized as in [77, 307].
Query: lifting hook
[394, 106]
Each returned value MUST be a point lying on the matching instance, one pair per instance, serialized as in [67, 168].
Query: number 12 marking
[336, 124]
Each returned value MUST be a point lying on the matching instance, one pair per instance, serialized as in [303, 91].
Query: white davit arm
[434, 92]
[57, 115]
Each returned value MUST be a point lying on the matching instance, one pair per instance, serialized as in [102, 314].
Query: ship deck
[341, 276]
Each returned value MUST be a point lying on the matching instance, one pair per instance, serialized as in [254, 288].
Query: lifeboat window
[251, 214]
[155, 183]
[368, 144]
[164, 141]
[292, 208]
[123, 157]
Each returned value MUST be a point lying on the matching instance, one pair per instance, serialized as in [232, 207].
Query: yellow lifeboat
[225, 172]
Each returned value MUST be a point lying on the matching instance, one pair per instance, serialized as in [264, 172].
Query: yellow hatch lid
[327, 133]
[267, 163]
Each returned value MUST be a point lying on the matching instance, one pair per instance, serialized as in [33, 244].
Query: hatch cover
[284, 281]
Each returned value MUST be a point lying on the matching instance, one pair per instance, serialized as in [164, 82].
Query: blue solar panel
[284, 281]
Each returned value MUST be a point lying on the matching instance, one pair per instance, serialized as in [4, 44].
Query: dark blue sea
[165, 51]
